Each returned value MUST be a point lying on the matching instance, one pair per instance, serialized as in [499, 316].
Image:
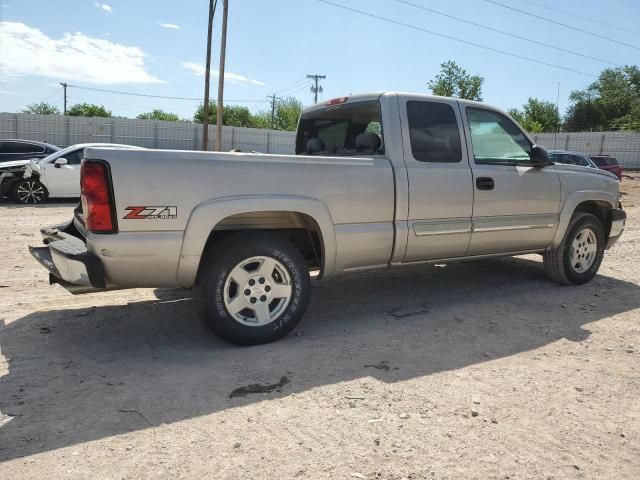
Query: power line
[478, 45]
[508, 34]
[292, 85]
[571, 27]
[582, 17]
[119, 92]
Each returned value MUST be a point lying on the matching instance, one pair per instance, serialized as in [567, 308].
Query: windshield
[342, 130]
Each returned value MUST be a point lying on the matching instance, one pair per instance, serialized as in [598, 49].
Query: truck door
[439, 175]
[515, 205]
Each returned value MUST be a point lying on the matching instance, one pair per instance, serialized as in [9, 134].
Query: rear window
[434, 132]
[341, 130]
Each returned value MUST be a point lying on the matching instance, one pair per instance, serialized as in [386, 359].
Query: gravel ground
[480, 370]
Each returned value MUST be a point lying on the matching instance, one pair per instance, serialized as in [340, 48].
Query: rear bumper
[618, 219]
[68, 261]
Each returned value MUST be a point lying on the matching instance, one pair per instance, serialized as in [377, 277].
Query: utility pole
[317, 88]
[223, 49]
[64, 86]
[207, 75]
[273, 108]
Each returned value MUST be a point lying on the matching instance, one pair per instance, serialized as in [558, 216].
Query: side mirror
[540, 157]
[60, 161]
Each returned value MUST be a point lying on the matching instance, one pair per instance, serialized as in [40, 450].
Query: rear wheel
[30, 191]
[252, 288]
[578, 257]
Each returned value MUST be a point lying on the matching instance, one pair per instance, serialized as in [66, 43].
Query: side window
[496, 139]
[23, 147]
[581, 161]
[74, 158]
[434, 132]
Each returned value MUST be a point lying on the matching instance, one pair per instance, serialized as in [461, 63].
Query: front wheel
[578, 257]
[252, 288]
[30, 191]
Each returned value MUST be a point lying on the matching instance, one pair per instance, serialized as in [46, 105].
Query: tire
[578, 257]
[29, 191]
[252, 288]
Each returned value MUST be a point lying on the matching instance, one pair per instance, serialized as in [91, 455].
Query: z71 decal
[151, 213]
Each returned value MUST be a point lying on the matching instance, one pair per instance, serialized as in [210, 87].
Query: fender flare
[207, 215]
[572, 201]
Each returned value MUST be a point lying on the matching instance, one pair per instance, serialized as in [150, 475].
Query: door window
[22, 148]
[74, 158]
[434, 132]
[496, 139]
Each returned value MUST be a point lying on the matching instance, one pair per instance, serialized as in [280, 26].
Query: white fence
[625, 146]
[63, 131]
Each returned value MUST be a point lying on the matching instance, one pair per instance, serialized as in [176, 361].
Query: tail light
[97, 200]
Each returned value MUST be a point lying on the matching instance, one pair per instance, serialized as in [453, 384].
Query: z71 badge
[151, 213]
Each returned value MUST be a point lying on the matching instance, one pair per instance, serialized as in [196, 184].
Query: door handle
[484, 183]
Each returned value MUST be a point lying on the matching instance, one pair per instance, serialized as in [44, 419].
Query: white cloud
[75, 56]
[199, 70]
[9, 92]
[104, 6]
[170, 26]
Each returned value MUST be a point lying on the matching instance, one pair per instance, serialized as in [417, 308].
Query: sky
[158, 48]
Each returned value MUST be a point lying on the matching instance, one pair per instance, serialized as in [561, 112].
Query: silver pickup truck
[378, 180]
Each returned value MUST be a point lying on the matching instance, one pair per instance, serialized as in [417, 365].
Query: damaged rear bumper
[68, 261]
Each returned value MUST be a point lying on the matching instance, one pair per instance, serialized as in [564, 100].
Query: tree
[288, 111]
[537, 116]
[286, 114]
[233, 115]
[612, 101]
[159, 115]
[88, 110]
[454, 81]
[42, 108]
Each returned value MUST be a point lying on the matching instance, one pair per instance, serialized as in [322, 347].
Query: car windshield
[341, 130]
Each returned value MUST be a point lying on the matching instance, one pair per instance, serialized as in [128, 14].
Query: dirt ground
[480, 370]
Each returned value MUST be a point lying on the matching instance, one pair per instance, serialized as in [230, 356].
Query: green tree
[42, 108]
[233, 115]
[285, 116]
[287, 113]
[537, 116]
[612, 101]
[454, 81]
[88, 110]
[159, 115]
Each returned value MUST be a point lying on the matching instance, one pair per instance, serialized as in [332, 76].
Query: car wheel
[578, 257]
[30, 191]
[252, 288]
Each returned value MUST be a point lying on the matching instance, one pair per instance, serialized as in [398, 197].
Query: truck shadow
[82, 375]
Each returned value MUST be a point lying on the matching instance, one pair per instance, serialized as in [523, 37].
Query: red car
[610, 164]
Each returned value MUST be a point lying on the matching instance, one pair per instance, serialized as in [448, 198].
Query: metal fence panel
[63, 131]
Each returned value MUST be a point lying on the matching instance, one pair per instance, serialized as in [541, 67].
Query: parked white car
[55, 176]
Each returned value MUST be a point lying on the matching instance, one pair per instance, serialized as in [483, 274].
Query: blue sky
[158, 48]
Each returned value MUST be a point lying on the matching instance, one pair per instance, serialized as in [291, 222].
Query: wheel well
[298, 228]
[600, 210]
